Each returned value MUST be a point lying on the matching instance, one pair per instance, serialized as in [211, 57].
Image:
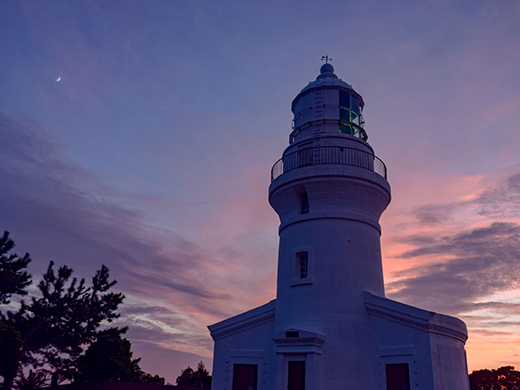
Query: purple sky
[152, 153]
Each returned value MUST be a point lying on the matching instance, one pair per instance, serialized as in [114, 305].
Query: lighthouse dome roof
[327, 77]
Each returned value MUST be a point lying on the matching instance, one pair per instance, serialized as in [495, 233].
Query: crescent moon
[58, 79]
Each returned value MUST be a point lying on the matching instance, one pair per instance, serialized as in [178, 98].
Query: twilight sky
[152, 153]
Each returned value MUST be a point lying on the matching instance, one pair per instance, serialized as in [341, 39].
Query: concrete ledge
[427, 321]
[249, 319]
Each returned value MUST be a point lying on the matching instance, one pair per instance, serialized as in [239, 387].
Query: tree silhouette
[109, 358]
[10, 351]
[199, 378]
[33, 380]
[503, 378]
[54, 327]
[52, 330]
[13, 277]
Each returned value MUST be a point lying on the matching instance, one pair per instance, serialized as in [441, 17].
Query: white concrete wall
[432, 344]
[251, 346]
[341, 233]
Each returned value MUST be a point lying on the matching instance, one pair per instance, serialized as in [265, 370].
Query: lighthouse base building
[331, 326]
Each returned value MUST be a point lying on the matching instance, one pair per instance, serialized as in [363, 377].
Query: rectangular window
[245, 376]
[304, 265]
[397, 377]
[304, 204]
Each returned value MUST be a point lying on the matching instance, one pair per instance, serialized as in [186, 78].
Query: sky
[152, 153]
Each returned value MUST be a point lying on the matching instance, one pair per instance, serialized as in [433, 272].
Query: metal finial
[326, 58]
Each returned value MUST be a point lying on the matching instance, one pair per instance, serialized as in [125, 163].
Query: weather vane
[326, 58]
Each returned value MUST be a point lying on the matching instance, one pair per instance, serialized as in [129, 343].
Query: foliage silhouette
[13, 277]
[54, 327]
[503, 378]
[199, 378]
[109, 358]
[10, 351]
[33, 380]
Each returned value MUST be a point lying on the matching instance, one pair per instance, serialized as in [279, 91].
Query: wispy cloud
[58, 210]
[479, 262]
[461, 257]
[502, 201]
[459, 269]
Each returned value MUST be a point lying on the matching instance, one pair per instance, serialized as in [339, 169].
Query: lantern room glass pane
[344, 115]
[344, 99]
[354, 104]
[344, 129]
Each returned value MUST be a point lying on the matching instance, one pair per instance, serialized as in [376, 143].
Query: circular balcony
[328, 155]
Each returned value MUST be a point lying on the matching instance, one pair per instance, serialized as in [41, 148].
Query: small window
[304, 204]
[303, 265]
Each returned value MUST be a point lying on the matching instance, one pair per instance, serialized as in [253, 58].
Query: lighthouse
[331, 326]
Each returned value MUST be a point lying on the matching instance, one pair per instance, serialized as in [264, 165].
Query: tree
[52, 330]
[33, 380]
[10, 350]
[13, 277]
[55, 327]
[199, 378]
[152, 379]
[109, 358]
[503, 378]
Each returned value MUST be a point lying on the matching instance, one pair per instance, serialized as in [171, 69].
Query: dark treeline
[503, 378]
[199, 378]
[55, 335]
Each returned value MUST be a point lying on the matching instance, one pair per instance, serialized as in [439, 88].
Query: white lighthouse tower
[331, 327]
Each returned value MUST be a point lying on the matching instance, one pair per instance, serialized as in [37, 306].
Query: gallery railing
[328, 155]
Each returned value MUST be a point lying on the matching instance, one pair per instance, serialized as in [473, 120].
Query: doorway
[245, 376]
[296, 380]
[397, 377]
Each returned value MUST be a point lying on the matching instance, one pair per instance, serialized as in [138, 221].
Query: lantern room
[328, 105]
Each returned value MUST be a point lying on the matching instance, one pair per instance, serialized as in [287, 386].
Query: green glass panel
[344, 115]
[344, 129]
